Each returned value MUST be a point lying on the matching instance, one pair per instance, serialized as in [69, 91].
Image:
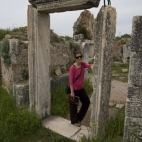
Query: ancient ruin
[105, 28]
[39, 50]
[133, 111]
[51, 6]
[39, 58]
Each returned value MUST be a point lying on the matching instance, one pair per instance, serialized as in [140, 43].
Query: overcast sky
[13, 13]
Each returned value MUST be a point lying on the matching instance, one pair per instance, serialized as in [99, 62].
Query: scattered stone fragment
[111, 104]
[120, 106]
[124, 70]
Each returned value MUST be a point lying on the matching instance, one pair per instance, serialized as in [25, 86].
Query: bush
[4, 52]
[3, 32]
[82, 30]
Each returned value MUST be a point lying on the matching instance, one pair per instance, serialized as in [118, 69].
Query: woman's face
[78, 57]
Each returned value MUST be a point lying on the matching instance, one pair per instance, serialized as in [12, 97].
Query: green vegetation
[115, 129]
[117, 38]
[117, 70]
[67, 38]
[54, 38]
[4, 52]
[91, 62]
[3, 32]
[60, 103]
[17, 124]
[81, 30]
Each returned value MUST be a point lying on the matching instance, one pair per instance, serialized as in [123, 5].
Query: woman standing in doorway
[76, 81]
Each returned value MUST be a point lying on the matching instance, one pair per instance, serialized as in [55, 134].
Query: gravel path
[118, 91]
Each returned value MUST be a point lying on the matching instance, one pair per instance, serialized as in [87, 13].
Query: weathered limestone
[39, 61]
[105, 28]
[133, 110]
[16, 72]
[51, 6]
[86, 21]
[127, 53]
[21, 93]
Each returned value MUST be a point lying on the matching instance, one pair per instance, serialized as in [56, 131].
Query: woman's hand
[72, 95]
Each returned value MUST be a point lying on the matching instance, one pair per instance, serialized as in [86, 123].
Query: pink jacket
[75, 72]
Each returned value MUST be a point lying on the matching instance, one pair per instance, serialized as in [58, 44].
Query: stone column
[133, 110]
[39, 61]
[105, 28]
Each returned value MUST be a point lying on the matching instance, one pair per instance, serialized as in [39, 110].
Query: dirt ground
[118, 96]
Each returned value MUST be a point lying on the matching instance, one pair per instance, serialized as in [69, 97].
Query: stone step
[65, 128]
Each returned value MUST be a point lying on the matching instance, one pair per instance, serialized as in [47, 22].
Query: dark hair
[77, 52]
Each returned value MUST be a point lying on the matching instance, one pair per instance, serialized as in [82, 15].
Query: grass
[59, 101]
[17, 124]
[121, 76]
[118, 69]
[115, 129]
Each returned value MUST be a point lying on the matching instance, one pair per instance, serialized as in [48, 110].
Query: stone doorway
[39, 57]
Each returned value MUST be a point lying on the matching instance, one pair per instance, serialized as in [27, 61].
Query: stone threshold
[65, 128]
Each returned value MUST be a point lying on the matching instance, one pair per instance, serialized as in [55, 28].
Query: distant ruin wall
[105, 28]
[133, 110]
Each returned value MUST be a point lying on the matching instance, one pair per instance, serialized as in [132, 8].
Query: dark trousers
[74, 116]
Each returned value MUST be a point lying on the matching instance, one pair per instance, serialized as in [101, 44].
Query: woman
[76, 81]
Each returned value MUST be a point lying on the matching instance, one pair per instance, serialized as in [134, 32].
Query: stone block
[126, 51]
[75, 37]
[120, 106]
[61, 126]
[51, 6]
[124, 70]
[134, 102]
[135, 73]
[136, 36]
[58, 71]
[21, 93]
[133, 129]
[81, 37]
[111, 104]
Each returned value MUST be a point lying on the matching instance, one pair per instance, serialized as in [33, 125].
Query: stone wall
[105, 28]
[133, 110]
[18, 68]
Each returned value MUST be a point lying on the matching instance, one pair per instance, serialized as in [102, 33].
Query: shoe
[77, 124]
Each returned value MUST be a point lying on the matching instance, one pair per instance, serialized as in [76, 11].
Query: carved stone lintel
[51, 6]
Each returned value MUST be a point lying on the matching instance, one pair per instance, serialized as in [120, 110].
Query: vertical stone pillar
[105, 28]
[39, 61]
[133, 110]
